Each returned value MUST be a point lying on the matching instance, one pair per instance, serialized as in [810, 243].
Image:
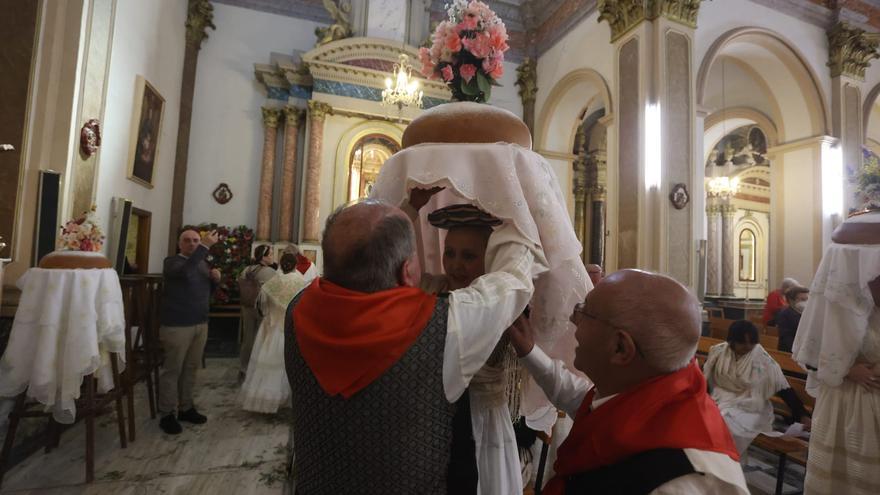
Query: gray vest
[393, 436]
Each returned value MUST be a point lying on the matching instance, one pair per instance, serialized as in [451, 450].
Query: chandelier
[722, 187]
[403, 90]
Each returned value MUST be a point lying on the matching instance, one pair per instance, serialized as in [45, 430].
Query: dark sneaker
[192, 416]
[170, 425]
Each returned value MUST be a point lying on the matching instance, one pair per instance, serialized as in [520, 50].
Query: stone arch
[583, 88]
[764, 45]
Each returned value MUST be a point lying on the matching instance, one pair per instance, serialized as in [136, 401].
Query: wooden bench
[786, 448]
[786, 362]
[769, 342]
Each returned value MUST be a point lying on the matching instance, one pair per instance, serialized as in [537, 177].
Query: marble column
[713, 251]
[728, 250]
[271, 117]
[597, 228]
[850, 51]
[527, 80]
[579, 183]
[311, 228]
[654, 76]
[292, 118]
[199, 19]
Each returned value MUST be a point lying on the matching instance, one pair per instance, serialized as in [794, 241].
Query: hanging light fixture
[403, 90]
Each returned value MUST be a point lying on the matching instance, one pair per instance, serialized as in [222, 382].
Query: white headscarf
[834, 324]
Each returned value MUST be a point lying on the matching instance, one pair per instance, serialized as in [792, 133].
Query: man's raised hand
[521, 336]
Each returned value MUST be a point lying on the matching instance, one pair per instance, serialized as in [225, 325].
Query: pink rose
[497, 72]
[469, 23]
[453, 43]
[447, 73]
[467, 71]
[425, 59]
[489, 64]
[479, 46]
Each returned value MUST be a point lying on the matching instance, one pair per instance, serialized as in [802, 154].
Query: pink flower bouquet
[467, 51]
[81, 234]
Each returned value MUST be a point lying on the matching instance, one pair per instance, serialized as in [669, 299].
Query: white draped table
[67, 324]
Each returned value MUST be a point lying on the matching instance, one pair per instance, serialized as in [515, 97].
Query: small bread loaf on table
[467, 122]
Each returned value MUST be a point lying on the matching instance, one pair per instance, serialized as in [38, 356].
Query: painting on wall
[148, 109]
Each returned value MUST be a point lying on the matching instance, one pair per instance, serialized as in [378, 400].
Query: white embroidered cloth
[67, 323]
[835, 322]
[519, 187]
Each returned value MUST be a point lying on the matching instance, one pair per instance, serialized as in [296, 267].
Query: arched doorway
[787, 107]
[366, 159]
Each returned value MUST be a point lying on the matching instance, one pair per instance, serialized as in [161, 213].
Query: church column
[271, 116]
[317, 112]
[655, 120]
[728, 249]
[527, 80]
[579, 183]
[292, 118]
[850, 51]
[713, 252]
[597, 223]
[198, 20]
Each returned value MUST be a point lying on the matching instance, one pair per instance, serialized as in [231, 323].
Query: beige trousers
[183, 348]
[250, 323]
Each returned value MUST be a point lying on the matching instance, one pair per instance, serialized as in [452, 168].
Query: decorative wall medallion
[90, 138]
[222, 194]
[679, 196]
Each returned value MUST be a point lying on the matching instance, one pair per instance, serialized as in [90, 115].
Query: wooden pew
[788, 365]
[769, 342]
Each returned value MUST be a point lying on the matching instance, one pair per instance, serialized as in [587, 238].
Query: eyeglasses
[581, 309]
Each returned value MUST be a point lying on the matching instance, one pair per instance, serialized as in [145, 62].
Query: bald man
[189, 281]
[377, 366]
[648, 425]
[596, 273]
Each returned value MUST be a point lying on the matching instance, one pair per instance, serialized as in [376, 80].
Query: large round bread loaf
[70, 260]
[860, 228]
[467, 122]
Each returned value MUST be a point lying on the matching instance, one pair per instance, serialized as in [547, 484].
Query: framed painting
[149, 106]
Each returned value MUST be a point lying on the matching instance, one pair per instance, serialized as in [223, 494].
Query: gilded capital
[622, 15]
[727, 209]
[318, 109]
[293, 115]
[527, 80]
[271, 117]
[199, 18]
[579, 180]
[850, 50]
[681, 11]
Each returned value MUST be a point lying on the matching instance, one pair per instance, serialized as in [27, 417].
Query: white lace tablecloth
[67, 323]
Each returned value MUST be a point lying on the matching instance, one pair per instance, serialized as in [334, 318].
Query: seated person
[743, 378]
[648, 425]
[788, 319]
[776, 301]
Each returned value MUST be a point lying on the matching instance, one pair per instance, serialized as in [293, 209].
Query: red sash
[349, 338]
[670, 411]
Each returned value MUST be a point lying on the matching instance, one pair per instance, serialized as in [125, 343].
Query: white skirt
[845, 442]
[265, 387]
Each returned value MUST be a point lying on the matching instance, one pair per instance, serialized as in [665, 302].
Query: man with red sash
[647, 426]
[377, 367]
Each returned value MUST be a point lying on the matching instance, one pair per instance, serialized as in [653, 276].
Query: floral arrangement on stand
[867, 181]
[231, 254]
[467, 51]
[82, 234]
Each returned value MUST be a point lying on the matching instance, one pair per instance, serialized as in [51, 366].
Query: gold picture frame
[148, 111]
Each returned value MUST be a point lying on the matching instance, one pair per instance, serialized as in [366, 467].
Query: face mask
[800, 306]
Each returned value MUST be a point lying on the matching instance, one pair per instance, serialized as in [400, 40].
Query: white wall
[507, 96]
[226, 140]
[148, 40]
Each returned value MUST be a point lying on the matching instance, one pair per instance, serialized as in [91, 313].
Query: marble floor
[234, 452]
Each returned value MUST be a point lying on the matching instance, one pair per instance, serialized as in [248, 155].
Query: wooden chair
[90, 405]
